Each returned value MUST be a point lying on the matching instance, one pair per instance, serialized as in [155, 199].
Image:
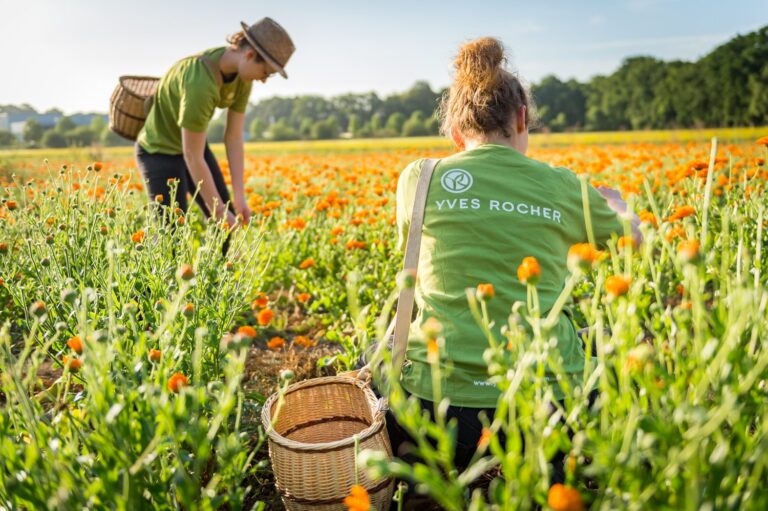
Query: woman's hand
[242, 209]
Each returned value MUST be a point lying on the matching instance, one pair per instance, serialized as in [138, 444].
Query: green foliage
[54, 138]
[7, 139]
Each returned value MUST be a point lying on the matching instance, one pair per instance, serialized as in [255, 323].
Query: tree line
[727, 87]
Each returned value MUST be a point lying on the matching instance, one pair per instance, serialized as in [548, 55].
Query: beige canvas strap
[411, 262]
[213, 67]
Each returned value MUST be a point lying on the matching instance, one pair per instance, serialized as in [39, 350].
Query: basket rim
[376, 426]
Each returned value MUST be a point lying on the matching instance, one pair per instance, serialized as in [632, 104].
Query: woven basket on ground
[312, 443]
[129, 104]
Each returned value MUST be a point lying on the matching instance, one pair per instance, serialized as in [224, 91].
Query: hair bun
[479, 61]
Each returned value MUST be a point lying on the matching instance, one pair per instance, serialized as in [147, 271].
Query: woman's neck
[511, 142]
[228, 63]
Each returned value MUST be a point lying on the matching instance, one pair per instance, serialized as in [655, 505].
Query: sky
[69, 53]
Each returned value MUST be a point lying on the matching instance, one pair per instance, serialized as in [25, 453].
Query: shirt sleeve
[605, 221]
[406, 193]
[198, 99]
[241, 101]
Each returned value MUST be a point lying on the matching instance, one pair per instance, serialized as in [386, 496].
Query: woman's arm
[193, 145]
[233, 141]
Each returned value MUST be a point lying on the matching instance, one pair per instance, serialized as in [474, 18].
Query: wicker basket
[312, 444]
[130, 103]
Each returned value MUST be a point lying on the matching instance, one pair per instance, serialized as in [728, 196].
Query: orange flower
[276, 343]
[303, 341]
[138, 236]
[688, 250]
[3, 248]
[616, 285]
[529, 271]
[303, 297]
[647, 217]
[260, 302]
[433, 351]
[583, 256]
[97, 166]
[354, 244]
[176, 382]
[626, 241]
[74, 364]
[358, 499]
[265, 317]
[762, 141]
[485, 438]
[247, 331]
[307, 263]
[11, 205]
[485, 291]
[676, 232]
[564, 498]
[155, 355]
[76, 344]
[681, 212]
[186, 272]
[188, 310]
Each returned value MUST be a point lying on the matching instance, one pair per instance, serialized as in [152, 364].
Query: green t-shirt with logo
[488, 208]
[187, 97]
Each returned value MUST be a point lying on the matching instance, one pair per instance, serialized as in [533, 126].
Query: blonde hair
[238, 41]
[484, 96]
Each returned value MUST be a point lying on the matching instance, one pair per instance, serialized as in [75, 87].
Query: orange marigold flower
[354, 244]
[688, 250]
[564, 498]
[307, 263]
[247, 331]
[676, 232]
[276, 343]
[681, 212]
[155, 355]
[186, 272]
[529, 271]
[485, 438]
[11, 205]
[177, 382]
[265, 317]
[74, 364]
[188, 309]
[647, 217]
[303, 297]
[260, 302]
[433, 351]
[617, 285]
[138, 236]
[485, 291]
[627, 241]
[97, 166]
[303, 341]
[583, 256]
[75, 344]
[358, 499]
[3, 248]
[762, 141]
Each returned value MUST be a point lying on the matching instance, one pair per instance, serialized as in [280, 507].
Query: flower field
[134, 356]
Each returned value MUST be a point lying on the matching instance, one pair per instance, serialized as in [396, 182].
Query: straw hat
[271, 41]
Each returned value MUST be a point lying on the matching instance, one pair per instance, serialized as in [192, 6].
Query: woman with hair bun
[488, 207]
[172, 145]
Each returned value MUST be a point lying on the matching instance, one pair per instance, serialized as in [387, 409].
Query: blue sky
[69, 53]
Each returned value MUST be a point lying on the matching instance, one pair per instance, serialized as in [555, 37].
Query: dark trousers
[160, 170]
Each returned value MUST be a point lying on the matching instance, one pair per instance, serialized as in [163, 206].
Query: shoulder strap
[213, 67]
[411, 262]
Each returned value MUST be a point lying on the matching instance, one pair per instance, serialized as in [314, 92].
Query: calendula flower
[138, 236]
[11, 205]
[646, 217]
[97, 166]
[75, 344]
[188, 310]
[485, 438]
[155, 355]
[681, 212]
[73, 364]
[307, 263]
[529, 271]
[617, 285]
[38, 309]
[433, 351]
[564, 498]
[186, 272]
[247, 331]
[485, 292]
[260, 302]
[626, 241]
[3, 248]
[177, 382]
[688, 250]
[358, 499]
[276, 343]
[638, 358]
[303, 297]
[265, 317]
[762, 141]
[303, 341]
[583, 256]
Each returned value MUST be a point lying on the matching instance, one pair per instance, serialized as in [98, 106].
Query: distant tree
[82, 136]
[257, 129]
[432, 124]
[216, 130]
[110, 138]
[353, 125]
[395, 124]
[7, 139]
[33, 132]
[305, 129]
[281, 131]
[65, 124]
[326, 129]
[54, 139]
[414, 126]
[97, 124]
[377, 123]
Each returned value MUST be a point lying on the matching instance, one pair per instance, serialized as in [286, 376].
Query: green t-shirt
[487, 209]
[187, 97]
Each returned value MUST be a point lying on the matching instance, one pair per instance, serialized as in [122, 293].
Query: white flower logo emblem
[456, 181]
